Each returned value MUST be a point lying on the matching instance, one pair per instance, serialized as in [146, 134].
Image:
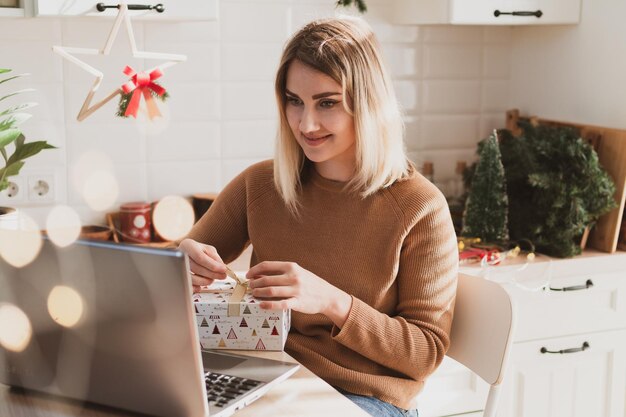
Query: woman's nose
[308, 121]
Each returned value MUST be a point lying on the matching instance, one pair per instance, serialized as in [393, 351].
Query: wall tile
[88, 32]
[248, 100]
[194, 102]
[448, 132]
[452, 61]
[390, 33]
[131, 180]
[302, 13]
[54, 134]
[248, 139]
[452, 34]
[31, 30]
[444, 161]
[407, 93]
[181, 31]
[122, 144]
[401, 60]
[233, 167]
[488, 122]
[495, 96]
[496, 61]
[498, 34]
[239, 22]
[250, 62]
[39, 61]
[185, 141]
[412, 135]
[202, 65]
[451, 96]
[183, 179]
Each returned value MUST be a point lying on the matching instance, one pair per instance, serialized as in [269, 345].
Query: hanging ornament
[122, 17]
[141, 85]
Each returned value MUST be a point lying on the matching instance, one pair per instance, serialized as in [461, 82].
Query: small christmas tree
[486, 210]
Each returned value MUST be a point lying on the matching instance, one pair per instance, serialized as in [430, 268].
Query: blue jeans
[377, 408]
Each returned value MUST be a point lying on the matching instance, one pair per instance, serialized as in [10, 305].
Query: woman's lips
[316, 141]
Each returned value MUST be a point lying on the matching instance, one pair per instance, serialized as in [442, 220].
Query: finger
[270, 281]
[196, 288]
[197, 280]
[274, 292]
[278, 304]
[207, 257]
[268, 268]
[198, 269]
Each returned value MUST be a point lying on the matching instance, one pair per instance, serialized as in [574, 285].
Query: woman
[344, 231]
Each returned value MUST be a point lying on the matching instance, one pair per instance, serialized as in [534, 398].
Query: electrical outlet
[15, 193]
[41, 188]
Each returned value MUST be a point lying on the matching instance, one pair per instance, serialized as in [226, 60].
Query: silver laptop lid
[111, 324]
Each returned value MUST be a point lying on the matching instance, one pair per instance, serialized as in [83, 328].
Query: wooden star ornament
[69, 53]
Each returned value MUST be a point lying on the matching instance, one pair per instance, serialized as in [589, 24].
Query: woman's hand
[288, 285]
[204, 263]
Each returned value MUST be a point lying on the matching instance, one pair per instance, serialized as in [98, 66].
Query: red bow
[142, 83]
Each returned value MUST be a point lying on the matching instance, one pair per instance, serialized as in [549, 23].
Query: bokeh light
[153, 127]
[63, 225]
[100, 190]
[20, 244]
[173, 217]
[65, 305]
[15, 328]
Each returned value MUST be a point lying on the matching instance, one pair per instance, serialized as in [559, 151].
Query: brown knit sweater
[394, 252]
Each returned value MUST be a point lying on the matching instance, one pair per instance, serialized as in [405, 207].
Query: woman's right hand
[204, 263]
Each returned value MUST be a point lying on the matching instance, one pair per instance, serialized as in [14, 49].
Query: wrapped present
[227, 322]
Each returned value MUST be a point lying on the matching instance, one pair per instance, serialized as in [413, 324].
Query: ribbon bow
[142, 83]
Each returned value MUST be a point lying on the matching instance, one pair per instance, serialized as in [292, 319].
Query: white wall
[453, 83]
[573, 73]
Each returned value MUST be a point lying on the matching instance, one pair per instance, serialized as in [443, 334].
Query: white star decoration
[68, 53]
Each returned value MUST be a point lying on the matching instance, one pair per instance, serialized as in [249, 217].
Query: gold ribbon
[234, 307]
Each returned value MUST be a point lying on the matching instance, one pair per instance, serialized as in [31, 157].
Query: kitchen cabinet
[581, 313]
[173, 9]
[21, 10]
[486, 12]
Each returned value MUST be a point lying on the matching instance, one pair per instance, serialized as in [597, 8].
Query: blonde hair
[346, 50]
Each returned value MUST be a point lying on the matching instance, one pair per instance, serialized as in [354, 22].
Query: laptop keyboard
[224, 389]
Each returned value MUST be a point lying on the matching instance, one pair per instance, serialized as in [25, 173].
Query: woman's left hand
[287, 285]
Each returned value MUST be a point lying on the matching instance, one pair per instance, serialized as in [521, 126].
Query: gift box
[244, 327]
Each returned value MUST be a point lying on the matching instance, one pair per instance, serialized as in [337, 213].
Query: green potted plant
[12, 138]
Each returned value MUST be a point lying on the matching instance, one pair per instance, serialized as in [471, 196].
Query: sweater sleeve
[225, 224]
[414, 341]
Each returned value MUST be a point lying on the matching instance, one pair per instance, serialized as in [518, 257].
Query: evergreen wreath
[555, 185]
[125, 99]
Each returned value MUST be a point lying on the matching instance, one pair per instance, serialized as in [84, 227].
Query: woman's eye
[327, 104]
[294, 101]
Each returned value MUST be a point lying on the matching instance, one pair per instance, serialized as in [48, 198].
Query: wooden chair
[482, 332]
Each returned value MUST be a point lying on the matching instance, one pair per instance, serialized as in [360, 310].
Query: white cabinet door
[173, 9]
[486, 12]
[577, 384]
[452, 389]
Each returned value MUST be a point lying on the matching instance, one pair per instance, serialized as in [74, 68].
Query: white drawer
[589, 382]
[543, 314]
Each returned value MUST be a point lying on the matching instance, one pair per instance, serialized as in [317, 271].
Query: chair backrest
[482, 327]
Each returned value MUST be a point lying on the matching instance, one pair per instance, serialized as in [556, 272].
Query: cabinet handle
[537, 13]
[158, 7]
[588, 284]
[585, 346]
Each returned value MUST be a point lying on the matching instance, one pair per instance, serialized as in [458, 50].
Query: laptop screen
[111, 324]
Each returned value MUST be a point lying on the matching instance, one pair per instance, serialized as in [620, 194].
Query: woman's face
[319, 121]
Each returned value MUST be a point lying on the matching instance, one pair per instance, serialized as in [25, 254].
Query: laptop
[114, 324]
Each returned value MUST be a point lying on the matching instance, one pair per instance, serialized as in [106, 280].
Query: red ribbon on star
[141, 83]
